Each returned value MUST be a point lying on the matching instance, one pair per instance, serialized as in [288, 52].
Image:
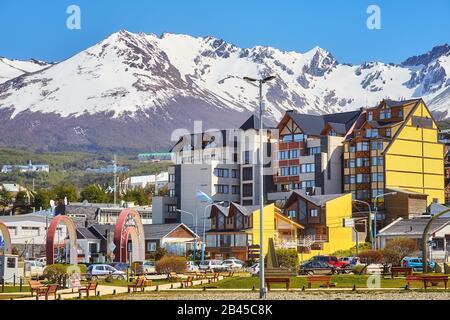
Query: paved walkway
[103, 290]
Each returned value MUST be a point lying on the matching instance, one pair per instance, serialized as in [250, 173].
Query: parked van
[213, 265]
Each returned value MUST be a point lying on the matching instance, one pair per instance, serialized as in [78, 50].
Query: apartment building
[309, 152]
[394, 146]
[222, 164]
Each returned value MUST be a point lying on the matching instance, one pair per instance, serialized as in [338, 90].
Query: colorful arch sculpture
[129, 224]
[6, 238]
[71, 231]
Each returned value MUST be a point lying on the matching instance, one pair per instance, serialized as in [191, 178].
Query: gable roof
[416, 226]
[85, 233]
[314, 124]
[318, 200]
[159, 231]
[252, 123]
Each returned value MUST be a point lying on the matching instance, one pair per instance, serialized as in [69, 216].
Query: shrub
[54, 272]
[352, 251]
[156, 255]
[397, 249]
[371, 256]
[168, 264]
[287, 258]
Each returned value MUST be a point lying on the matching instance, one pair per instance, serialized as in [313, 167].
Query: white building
[29, 233]
[158, 180]
[8, 168]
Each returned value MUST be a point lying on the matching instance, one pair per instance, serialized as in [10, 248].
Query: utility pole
[115, 180]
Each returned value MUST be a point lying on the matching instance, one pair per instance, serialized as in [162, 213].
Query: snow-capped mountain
[10, 69]
[130, 91]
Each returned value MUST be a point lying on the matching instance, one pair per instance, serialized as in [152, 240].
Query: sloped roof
[85, 233]
[252, 123]
[314, 124]
[416, 226]
[318, 200]
[159, 231]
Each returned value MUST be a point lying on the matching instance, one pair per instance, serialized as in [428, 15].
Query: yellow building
[322, 218]
[394, 146]
[235, 230]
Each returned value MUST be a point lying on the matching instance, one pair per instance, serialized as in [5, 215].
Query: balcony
[305, 241]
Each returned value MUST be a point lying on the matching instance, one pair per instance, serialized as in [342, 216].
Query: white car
[149, 267]
[191, 266]
[96, 271]
[34, 268]
[212, 265]
[254, 269]
[233, 264]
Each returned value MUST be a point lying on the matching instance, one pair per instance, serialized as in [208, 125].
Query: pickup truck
[332, 261]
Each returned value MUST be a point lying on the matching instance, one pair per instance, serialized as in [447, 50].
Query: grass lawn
[341, 281]
[8, 289]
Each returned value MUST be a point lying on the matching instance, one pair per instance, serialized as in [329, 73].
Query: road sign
[349, 223]
[111, 246]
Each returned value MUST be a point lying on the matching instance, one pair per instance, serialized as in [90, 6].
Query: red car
[332, 261]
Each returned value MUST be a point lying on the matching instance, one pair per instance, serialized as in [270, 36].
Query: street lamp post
[370, 218]
[375, 244]
[262, 289]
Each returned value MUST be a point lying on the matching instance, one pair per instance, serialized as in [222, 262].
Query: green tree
[139, 196]
[42, 199]
[21, 198]
[5, 197]
[65, 190]
[396, 249]
[94, 193]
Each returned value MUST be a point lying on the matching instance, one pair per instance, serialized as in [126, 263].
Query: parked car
[191, 266]
[317, 267]
[333, 261]
[352, 261]
[144, 267]
[121, 266]
[233, 263]
[212, 265]
[254, 269]
[34, 268]
[96, 271]
[417, 263]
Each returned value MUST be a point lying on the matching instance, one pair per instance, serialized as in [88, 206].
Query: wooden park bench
[174, 277]
[188, 282]
[47, 290]
[34, 286]
[200, 275]
[324, 280]
[228, 275]
[91, 286]
[428, 279]
[139, 284]
[214, 277]
[285, 281]
[395, 271]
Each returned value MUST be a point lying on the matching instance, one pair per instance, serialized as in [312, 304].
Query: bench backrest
[173, 274]
[92, 285]
[35, 284]
[189, 278]
[319, 278]
[52, 288]
[438, 278]
[277, 280]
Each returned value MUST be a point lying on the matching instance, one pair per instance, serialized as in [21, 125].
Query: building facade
[394, 145]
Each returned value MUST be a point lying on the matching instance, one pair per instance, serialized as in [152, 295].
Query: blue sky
[37, 29]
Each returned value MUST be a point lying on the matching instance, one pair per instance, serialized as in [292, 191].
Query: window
[151, 246]
[388, 132]
[246, 157]
[351, 148]
[371, 133]
[377, 161]
[235, 190]
[235, 174]
[400, 113]
[221, 173]
[292, 214]
[370, 116]
[362, 146]
[172, 193]
[377, 145]
[308, 184]
[211, 241]
[171, 208]
[294, 154]
[313, 151]
[287, 138]
[247, 174]
[352, 179]
[294, 171]
[385, 114]
[283, 171]
[313, 213]
[332, 133]
[171, 178]
[362, 162]
[362, 194]
[377, 177]
[247, 190]
[283, 155]
[308, 167]
[222, 188]
[299, 137]
[362, 178]
[351, 163]
[376, 192]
